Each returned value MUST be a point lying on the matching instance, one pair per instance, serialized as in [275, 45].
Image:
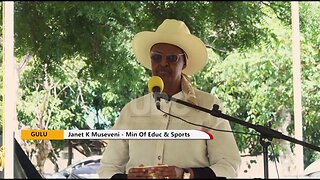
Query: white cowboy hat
[174, 32]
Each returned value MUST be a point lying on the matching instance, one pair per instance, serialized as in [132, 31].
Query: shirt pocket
[146, 122]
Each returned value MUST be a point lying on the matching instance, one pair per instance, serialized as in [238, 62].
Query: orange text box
[42, 134]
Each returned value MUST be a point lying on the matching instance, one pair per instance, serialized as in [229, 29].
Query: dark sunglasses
[171, 58]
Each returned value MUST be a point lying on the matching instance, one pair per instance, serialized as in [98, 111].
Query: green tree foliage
[257, 85]
[55, 31]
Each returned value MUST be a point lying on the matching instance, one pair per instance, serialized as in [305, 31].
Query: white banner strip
[136, 134]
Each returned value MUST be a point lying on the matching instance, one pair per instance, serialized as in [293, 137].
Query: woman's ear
[184, 66]
[184, 63]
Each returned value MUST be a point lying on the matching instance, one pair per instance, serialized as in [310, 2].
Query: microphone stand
[266, 134]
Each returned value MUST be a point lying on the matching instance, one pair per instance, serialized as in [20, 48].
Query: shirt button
[159, 157]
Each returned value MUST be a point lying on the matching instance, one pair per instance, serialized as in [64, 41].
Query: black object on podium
[23, 167]
[266, 134]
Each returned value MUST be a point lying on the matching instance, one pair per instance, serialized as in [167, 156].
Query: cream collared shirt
[221, 153]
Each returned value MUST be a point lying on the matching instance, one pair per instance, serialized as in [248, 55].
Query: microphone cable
[204, 125]
[275, 160]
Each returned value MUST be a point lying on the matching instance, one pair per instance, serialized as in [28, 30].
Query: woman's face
[167, 62]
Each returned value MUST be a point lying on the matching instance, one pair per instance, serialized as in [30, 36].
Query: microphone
[155, 85]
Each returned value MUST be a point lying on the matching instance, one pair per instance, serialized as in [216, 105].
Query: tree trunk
[70, 153]
[286, 157]
[43, 148]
